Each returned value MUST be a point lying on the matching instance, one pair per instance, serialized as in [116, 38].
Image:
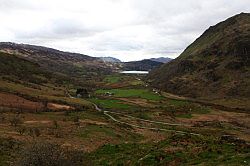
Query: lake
[134, 72]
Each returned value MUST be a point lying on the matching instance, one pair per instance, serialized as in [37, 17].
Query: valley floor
[124, 123]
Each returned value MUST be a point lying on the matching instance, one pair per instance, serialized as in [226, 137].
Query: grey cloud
[167, 26]
[60, 29]
[13, 5]
[106, 44]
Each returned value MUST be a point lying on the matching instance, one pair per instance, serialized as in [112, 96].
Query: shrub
[67, 113]
[55, 123]
[15, 121]
[34, 132]
[8, 149]
[76, 120]
[58, 133]
[21, 130]
[47, 154]
[2, 118]
[37, 132]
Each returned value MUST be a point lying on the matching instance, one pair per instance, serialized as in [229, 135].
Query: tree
[48, 154]
[15, 121]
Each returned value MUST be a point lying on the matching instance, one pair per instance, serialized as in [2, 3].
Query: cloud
[59, 29]
[126, 29]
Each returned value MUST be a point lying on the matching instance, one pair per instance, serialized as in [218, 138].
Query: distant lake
[134, 72]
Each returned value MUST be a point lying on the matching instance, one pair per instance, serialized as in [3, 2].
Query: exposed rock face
[110, 59]
[161, 59]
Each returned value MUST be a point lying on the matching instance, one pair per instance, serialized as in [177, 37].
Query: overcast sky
[125, 29]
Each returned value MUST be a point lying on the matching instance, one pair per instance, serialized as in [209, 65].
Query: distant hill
[215, 66]
[32, 51]
[161, 59]
[143, 65]
[73, 64]
[66, 63]
[110, 59]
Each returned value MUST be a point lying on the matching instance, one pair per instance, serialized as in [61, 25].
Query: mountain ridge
[161, 59]
[110, 59]
[142, 65]
[216, 66]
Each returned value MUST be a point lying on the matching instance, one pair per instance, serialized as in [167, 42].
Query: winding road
[107, 113]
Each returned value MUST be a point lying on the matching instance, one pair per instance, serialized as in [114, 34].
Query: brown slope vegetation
[215, 66]
[10, 101]
[66, 63]
[32, 85]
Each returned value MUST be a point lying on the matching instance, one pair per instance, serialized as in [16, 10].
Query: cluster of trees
[48, 154]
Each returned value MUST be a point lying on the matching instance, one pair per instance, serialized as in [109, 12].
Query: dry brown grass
[17, 102]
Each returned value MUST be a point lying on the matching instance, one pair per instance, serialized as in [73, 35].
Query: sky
[125, 29]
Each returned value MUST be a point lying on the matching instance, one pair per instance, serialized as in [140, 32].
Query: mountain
[110, 59]
[143, 65]
[34, 52]
[66, 63]
[161, 59]
[73, 64]
[216, 66]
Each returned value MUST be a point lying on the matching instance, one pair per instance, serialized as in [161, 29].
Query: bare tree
[47, 154]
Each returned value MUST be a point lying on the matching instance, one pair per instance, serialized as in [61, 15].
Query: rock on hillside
[161, 59]
[110, 59]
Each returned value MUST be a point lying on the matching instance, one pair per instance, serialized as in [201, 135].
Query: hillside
[143, 65]
[216, 66]
[31, 86]
[66, 63]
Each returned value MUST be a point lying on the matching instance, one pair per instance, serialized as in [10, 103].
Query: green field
[135, 93]
[108, 103]
[137, 82]
[91, 130]
[112, 79]
[214, 152]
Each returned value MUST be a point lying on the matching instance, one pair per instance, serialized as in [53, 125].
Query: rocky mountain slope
[110, 59]
[215, 66]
